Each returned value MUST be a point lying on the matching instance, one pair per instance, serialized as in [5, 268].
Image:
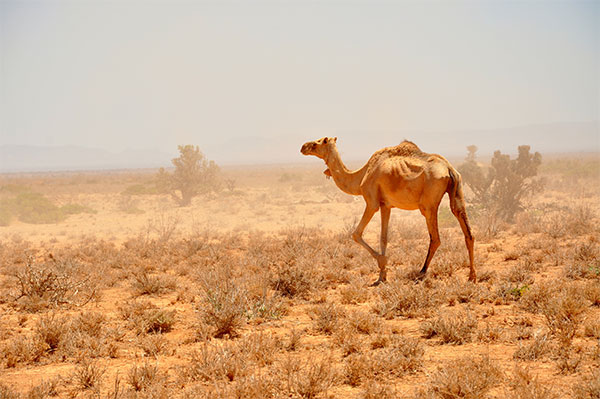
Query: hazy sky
[154, 74]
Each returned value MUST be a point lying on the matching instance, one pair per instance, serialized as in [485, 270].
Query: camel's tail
[459, 209]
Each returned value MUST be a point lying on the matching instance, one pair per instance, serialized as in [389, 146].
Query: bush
[34, 208]
[468, 377]
[52, 284]
[224, 308]
[524, 386]
[193, 175]
[74, 209]
[504, 186]
[456, 327]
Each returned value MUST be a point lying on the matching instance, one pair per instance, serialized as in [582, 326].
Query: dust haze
[163, 236]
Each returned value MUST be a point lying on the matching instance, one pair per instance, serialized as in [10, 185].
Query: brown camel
[398, 177]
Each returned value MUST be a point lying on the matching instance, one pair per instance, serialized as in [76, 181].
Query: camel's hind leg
[382, 258]
[434, 235]
[461, 214]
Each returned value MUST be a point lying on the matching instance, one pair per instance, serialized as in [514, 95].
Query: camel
[401, 177]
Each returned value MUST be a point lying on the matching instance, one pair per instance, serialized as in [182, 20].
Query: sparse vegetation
[232, 298]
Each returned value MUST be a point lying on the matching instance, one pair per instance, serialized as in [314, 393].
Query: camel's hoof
[421, 276]
[472, 279]
[376, 283]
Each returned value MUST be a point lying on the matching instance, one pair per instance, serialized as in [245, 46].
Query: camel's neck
[347, 181]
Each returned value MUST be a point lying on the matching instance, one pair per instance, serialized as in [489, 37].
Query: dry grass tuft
[525, 386]
[144, 283]
[86, 376]
[533, 350]
[327, 317]
[51, 284]
[224, 306]
[588, 386]
[145, 378]
[308, 379]
[404, 299]
[402, 356]
[468, 378]
[453, 327]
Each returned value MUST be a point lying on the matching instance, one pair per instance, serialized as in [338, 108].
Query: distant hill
[545, 138]
[355, 146]
[20, 158]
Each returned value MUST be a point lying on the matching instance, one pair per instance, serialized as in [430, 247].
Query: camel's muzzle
[306, 148]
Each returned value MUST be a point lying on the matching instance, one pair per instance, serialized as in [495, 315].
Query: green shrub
[37, 209]
[140, 189]
[74, 209]
[6, 215]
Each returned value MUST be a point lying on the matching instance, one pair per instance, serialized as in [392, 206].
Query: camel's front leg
[357, 236]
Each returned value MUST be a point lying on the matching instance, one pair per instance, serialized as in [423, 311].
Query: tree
[193, 175]
[475, 177]
[506, 184]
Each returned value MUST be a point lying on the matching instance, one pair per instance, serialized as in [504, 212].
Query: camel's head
[319, 148]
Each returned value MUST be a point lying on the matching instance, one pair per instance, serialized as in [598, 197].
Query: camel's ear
[335, 139]
[325, 140]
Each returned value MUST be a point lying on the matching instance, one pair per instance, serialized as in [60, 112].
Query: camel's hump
[404, 149]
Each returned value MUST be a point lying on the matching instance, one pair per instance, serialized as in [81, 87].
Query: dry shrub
[147, 318]
[354, 293]
[254, 386]
[293, 281]
[490, 333]
[230, 360]
[260, 348]
[51, 331]
[23, 349]
[534, 350]
[348, 339]
[591, 291]
[46, 389]
[157, 321]
[538, 294]
[154, 345]
[146, 284]
[308, 379]
[456, 291]
[520, 274]
[86, 376]
[403, 356]
[56, 283]
[88, 336]
[585, 262]
[326, 317]
[408, 300]
[563, 313]
[90, 323]
[295, 337]
[374, 390]
[467, 377]
[592, 328]
[588, 386]
[224, 304]
[525, 386]
[8, 393]
[569, 359]
[365, 323]
[146, 378]
[263, 302]
[212, 363]
[452, 326]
